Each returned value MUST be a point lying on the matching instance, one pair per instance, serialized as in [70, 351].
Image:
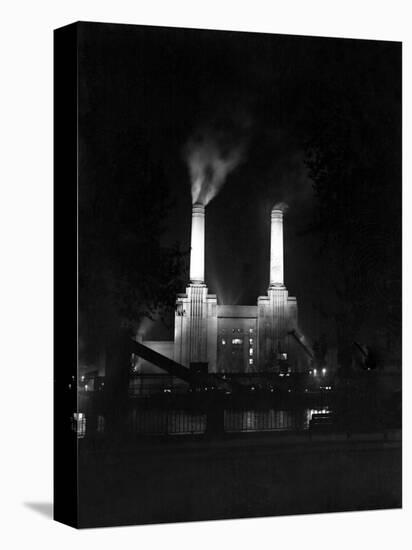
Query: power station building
[234, 338]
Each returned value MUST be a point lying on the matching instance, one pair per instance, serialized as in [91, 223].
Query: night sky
[165, 84]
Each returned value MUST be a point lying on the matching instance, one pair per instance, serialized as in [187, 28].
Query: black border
[65, 273]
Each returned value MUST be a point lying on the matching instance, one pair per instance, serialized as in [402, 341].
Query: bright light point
[323, 371]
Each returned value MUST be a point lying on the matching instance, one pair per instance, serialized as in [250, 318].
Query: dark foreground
[249, 475]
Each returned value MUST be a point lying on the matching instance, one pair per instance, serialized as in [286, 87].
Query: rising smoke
[281, 206]
[212, 153]
[292, 183]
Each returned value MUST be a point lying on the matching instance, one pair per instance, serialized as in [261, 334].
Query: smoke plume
[281, 206]
[211, 154]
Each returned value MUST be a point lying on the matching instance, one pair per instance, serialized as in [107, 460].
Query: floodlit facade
[235, 338]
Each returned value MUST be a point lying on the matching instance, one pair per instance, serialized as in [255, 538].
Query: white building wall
[196, 327]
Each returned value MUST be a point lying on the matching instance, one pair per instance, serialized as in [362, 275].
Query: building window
[237, 341]
[250, 361]
[251, 330]
[250, 341]
[250, 351]
[223, 342]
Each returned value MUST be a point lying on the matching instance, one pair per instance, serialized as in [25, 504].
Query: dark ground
[245, 476]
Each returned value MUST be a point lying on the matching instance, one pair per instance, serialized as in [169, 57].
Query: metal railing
[166, 422]
[269, 420]
[149, 421]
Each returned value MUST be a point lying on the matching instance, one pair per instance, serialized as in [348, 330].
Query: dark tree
[353, 152]
[126, 274]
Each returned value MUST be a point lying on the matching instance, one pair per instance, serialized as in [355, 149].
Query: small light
[324, 371]
[315, 372]
[237, 341]
[86, 387]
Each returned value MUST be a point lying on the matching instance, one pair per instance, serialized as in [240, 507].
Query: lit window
[237, 341]
[250, 341]
[323, 372]
[250, 361]
[250, 351]
[315, 372]
[251, 330]
[223, 342]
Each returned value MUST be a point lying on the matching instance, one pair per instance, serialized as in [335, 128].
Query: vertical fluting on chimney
[197, 251]
[276, 248]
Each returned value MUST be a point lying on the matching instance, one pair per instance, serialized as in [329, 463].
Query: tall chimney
[276, 248]
[197, 251]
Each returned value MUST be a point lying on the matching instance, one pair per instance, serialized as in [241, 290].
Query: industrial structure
[234, 338]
